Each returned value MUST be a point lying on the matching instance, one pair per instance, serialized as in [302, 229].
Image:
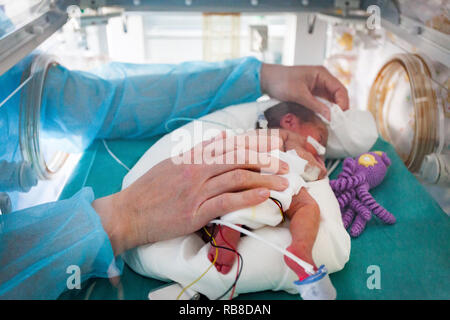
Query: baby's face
[316, 129]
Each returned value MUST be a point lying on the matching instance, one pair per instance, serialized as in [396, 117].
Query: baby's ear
[289, 121]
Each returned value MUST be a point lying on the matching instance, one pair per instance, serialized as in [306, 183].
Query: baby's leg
[227, 238]
[305, 218]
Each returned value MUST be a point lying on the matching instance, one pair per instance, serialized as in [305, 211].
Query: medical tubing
[166, 125]
[114, 156]
[233, 286]
[15, 91]
[238, 262]
[306, 266]
[206, 271]
[333, 167]
[167, 128]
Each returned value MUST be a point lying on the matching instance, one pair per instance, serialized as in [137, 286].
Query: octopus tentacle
[342, 184]
[384, 215]
[374, 206]
[345, 197]
[347, 217]
[358, 226]
[348, 168]
[361, 209]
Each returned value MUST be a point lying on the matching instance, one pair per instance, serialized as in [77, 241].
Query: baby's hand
[312, 162]
[292, 140]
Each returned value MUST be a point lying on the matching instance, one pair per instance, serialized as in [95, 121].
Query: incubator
[404, 60]
[400, 73]
[393, 56]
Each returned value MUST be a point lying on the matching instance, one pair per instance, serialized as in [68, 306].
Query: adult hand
[301, 83]
[172, 200]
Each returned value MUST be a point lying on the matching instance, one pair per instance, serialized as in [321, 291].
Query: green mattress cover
[413, 256]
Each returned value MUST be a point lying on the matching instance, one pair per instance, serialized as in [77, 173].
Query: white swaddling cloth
[268, 213]
[184, 259]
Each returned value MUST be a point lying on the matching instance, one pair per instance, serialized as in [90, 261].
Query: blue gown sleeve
[121, 100]
[55, 240]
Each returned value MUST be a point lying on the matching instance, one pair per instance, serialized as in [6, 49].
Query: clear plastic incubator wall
[404, 84]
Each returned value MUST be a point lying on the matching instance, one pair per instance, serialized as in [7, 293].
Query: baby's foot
[299, 250]
[225, 258]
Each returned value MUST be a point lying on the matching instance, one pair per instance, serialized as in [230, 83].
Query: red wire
[278, 203]
[235, 251]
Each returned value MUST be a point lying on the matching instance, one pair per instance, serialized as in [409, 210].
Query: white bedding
[185, 258]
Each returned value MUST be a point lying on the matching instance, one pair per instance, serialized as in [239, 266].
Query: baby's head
[298, 119]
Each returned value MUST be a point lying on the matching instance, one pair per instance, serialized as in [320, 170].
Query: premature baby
[296, 123]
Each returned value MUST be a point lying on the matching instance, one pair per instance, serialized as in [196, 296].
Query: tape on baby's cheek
[316, 145]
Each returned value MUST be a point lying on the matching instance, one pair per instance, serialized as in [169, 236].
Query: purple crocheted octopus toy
[352, 186]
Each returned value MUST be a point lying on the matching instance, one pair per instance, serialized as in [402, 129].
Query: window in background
[149, 37]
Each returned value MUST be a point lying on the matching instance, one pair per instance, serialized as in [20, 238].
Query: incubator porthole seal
[409, 110]
[31, 117]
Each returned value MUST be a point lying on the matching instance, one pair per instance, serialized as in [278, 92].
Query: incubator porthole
[407, 109]
[36, 148]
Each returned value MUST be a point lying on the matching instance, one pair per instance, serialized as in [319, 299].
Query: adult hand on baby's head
[301, 83]
[172, 199]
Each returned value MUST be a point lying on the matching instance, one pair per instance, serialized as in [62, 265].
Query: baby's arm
[299, 143]
[304, 214]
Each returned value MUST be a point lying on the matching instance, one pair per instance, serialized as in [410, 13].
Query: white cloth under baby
[184, 259]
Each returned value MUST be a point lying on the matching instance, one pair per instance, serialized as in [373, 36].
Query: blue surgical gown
[41, 246]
